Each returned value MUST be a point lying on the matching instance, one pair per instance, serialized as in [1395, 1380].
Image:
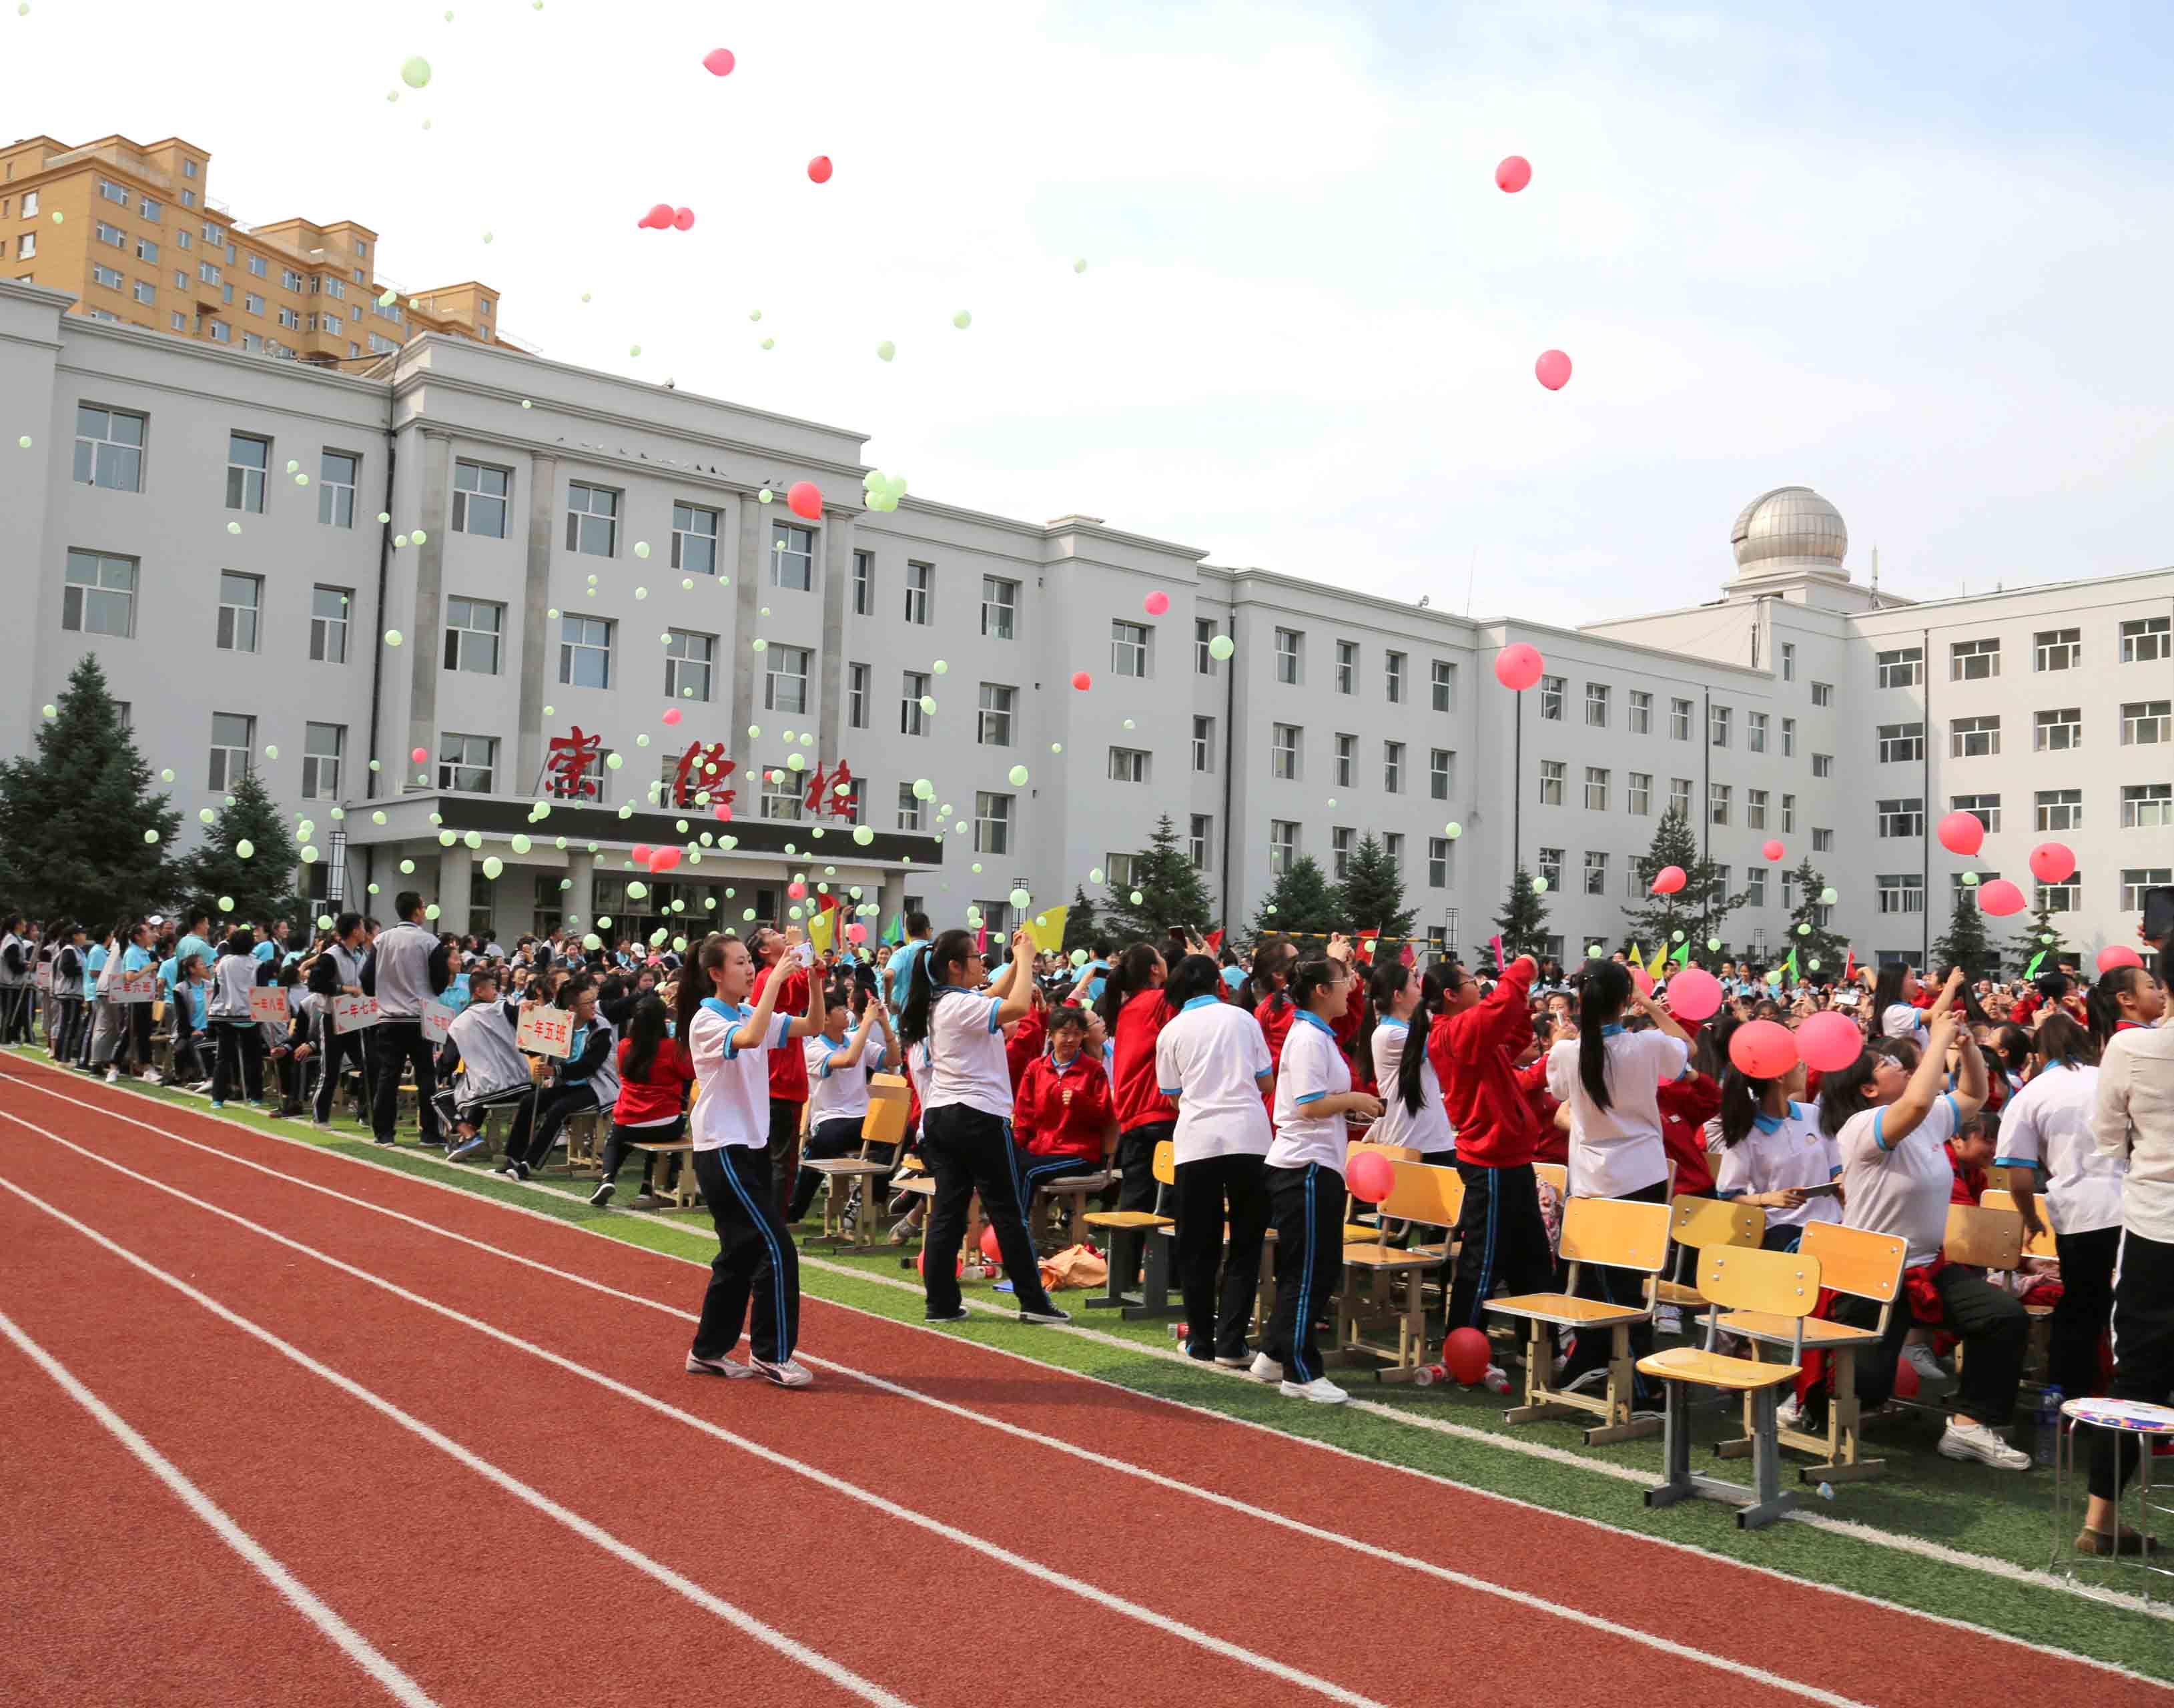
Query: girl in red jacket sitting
[1061, 1115]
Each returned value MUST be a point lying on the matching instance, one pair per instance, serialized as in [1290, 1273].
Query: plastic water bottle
[2049, 1424]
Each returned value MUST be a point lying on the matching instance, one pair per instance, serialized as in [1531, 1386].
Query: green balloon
[1222, 647]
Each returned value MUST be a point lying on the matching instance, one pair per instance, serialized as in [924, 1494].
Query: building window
[221, 333]
[1341, 840]
[1755, 809]
[1718, 720]
[2136, 879]
[1551, 783]
[2146, 640]
[1283, 846]
[1392, 767]
[146, 250]
[911, 719]
[322, 746]
[1127, 766]
[1128, 649]
[585, 649]
[1985, 808]
[251, 303]
[1901, 892]
[1392, 845]
[1289, 641]
[335, 480]
[328, 619]
[2064, 897]
[909, 808]
[1595, 705]
[233, 740]
[864, 584]
[856, 696]
[784, 679]
[480, 494]
[1200, 841]
[1641, 712]
[1552, 694]
[100, 595]
[1788, 815]
[1823, 693]
[31, 204]
[920, 588]
[1392, 677]
[247, 457]
[2058, 731]
[1441, 773]
[1203, 637]
[781, 791]
[1717, 799]
[993, 823]
[995, 719]
[999, 607]
[1443, 686]
[1822, 766]
[689, 662]
[1550, 866]
[2144, 721]
[474, 629]
[1974, 738]
[26, 246]
[1347, 761]
[1680, 797]
[1282, 751]
[592, 520]
[1788, 660]
[1904, 667]
[1119, 869]
[1596, 789]
[1789, 737]
[240, 597]
[1903, 817]
[289, 319]
[1755, 887]
[1204, 744]
[2147, 807]
[1438, 857]
[1596, 873]
[110, 277]
[1679, 720]
[2059, 649]
[791, 557]
[1899, 742]
[2059, 809]
[1347, 667]
[1640, 792]
[1822, 841]
[1974, 660]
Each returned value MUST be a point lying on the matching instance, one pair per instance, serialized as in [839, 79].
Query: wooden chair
[582, 1147]
[1619, 1233]
[1866, 1266]
[1073, 1191]
[1556, 1175]
[884, 1125]
[2033, 1245]
[1153, 1300]
[1777, 1285]
[1696, 1224]
[1421, 1193]
[683, 1194]
[1353, 1208]
[2001, 1178]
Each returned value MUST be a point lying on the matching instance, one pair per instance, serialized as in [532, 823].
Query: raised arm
[1907, 1113]
[1014, 987]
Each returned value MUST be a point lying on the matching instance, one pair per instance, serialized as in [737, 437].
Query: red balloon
[1906, 1380]
[856, 932]
[642, 853]
[671, 714]
[718, 62]
[683, 218]
[658, 216]
[722, 811]
[919, 1257]
[1962, 833]
[1642, 979]
[1763, 1050]
[1829, 1041]
[1464, 1355]
[663, 859]
[1694, 993]
[1514, 172]
[990, 1249]
[1552, 369]
[1668, 880]
[818, 170]
[2052, 863]
[420, 755]
[1999, 898]
[2119, 955]
[1082, 681]
[1517, 666]
[1156, 604]
[795, 890]
[1370, 1175]
[804, 499]
[1774, 850]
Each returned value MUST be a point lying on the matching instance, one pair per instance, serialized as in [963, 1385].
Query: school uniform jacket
[1472, 1052]
[1040, 1122]
[1137, 1093]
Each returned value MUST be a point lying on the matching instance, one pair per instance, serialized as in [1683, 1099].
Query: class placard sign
[438, 1021]
[268, 1004]
[43, 978]
[134, 987]
[354, 1013]
[547, 1032]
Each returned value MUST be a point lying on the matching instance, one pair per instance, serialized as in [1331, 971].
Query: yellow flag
[820, 930]
[1047, 927]
[1658, 965]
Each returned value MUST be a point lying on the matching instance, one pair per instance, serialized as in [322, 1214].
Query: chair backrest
[2038, 1244]
[1554, 1174]
[1395, 1153]
[1420, 1193]
[1780, 1283]
[1699, 1223]
[1622, 1233]
[1999, 1178]
[1985, 1239]
[1166, 1162]
[1856, 1261]
[886, 1122]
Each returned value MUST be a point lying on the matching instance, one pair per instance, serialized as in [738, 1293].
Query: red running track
[1238, 1575]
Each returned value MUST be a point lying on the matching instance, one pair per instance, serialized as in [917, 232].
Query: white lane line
[298, 1595]
[461, 1185]
[842, 1676]
[1032, 1568]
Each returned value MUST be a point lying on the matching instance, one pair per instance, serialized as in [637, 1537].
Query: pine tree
[1817, 945]
[2043, 933]
[1522, 923]
[1169, 888]
[1694, 913]
[1081, 928]
[1373, 893]
[1302, 900]
[259, 888]
[73, 816]
[1967, 943]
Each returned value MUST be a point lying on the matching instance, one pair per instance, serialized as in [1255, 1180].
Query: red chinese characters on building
[702, 769]
[569, 764]
[832, 795]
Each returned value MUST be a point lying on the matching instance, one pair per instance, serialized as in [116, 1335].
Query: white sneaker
[1919, 1357]
[788, 1374]
[113, 1076]
[1320, 1390]
[1789, 1414]
[1265, 1369]
[717, 1366]
[1240, 1362]
[1960, 1441]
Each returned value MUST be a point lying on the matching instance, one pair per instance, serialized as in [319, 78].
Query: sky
[1914, 257]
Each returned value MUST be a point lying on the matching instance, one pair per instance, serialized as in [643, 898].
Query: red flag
[1407, 957]
[1215, 941]
[1499, 963]
[1849, 968]
[982, 941]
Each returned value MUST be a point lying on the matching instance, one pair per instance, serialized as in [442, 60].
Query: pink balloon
[1082, 681]
[420, 755]
[818, 170]
[683, 218]
[671, 714]
[658, 216]
[1962, 833]
[795, 890]
[856, 932]
[1829, 1041]
[1157, 603]
[663, 859]
[1517, 666]
[1513, 173]
[1369, 1176]
[1668, 880]
[1773, 850]
[718, 62]
[2119, 955]
[1552, 369]
[1763, 1050]
[721, 811]
[1694, 994]
[1642, 979]
[2052, 863]
[641, 852]
[1999, 898]
[804, 499]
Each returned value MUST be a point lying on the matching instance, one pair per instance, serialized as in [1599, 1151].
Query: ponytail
[1600, 998]
[1411, 1086]
[2103, 1002]
[1384, 984]
[1133, 973]
[949, 949]
[2061, 1040]
[1741, 1096]
[696, 982]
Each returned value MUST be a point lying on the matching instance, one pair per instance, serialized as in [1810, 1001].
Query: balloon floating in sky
[886, 350]
[1155, 604]
[1668, 880]
[1552, 369]
[1961, 833]
[1517, 666]
[962, 319]
[1222, 647]
[1019, 775]
[1773, 850]
[415, 71]
[2052, 863]
[818, 170]
[671, 714]
[1082, 681]
[1512, 174]
[420, 755]
[883, 491]
[1694, 994]
[1079, 263]
[718, 62]
[1999, 898]
[804, 499]
[1829, 1041]
[2119, 955]
[1764, 1050]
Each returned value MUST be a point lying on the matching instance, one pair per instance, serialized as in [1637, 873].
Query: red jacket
[1022, 1046]
[1042, 1124]
[1968, 1184]
[1472, 1052]
[788, 1067]
[1277, 1011]
[1686, 1106]
[1134, 1085]
[1554, 1143]
[663, 1094]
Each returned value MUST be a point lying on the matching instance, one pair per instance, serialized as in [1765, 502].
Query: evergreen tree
[1818, 944]
[1080, 925]
[1967, 943]
[73, 816]
[1302, 900]
[2043, 933]
[1698, 910]
[1373, 893]
[1522, 923]
[1169, 888]
[260, 885]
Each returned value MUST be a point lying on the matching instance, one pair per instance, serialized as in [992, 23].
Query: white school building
[571, 554]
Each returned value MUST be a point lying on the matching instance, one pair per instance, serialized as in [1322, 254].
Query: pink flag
[982, 941]
[1407, 957]
[1499, 963]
